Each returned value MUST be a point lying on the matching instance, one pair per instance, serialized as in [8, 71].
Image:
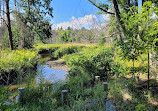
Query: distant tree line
[82, 35]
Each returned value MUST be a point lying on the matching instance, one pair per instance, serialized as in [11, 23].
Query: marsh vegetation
[79, 69]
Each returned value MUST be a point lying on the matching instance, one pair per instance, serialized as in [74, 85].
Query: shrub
[95, 62]
[67, 50]
[46, 48]
[15, 63]
[140, 107]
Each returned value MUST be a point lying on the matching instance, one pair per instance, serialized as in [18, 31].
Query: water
[49, 74]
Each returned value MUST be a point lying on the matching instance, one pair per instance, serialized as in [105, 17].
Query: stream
[44, 72]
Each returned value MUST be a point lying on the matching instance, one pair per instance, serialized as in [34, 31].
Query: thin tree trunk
[15, 3]
[128, 3]
[9, 25]
[0, 13]
[148, 68]
[136, 3]
[118, 17]
[143, 2]
[3, 13]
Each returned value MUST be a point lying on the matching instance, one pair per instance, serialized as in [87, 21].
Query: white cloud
[106, 17]
[88, 21]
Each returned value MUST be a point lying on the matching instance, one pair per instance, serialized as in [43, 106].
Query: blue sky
[81, 10]
[65, 9]
[75, 13]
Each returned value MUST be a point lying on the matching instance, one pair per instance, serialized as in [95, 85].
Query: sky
[65, 9]
[76, 14]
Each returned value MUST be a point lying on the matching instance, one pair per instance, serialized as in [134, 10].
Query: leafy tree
[36, 15]
[137, 30]
[64, 36]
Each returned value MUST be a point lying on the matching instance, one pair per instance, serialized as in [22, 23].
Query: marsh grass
[83, 94]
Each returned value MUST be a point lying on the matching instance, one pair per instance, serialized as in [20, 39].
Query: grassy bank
[14, 65]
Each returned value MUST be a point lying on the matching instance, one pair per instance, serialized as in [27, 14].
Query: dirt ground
[58, 64]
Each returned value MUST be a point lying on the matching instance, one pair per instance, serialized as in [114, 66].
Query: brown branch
[101, 8]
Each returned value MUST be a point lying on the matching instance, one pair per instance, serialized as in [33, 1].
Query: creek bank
[58, 64]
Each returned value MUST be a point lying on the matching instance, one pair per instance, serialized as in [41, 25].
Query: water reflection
[49, 74]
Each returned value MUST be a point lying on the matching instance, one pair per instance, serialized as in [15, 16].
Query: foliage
[118, 91]
[46, 48]
[96, 62]
[140, 107]
[4, 95]
[39, 98]
[102, 40]
[145, 30]
[34, 14]
[67, 50]
[13, 63]
[64, 35]
[124, 66]
[16, 37]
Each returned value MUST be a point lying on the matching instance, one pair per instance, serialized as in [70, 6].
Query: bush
[67, 50]
[15, 63]
[46, 48]
[95, 62]
[140, 107]
[102, 41]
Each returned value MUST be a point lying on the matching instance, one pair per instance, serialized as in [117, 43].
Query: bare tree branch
[101, 8]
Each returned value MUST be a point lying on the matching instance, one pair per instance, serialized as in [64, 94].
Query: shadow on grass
[129, 98]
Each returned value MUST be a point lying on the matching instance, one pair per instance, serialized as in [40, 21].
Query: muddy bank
[58, 64]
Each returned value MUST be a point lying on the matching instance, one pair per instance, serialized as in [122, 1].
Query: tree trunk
[9, 25]
[118, 17]
[143, 2]
[128, 3]
[148, 68]
[0, 13]
[15, 3]
[3, 16]
[136, 3]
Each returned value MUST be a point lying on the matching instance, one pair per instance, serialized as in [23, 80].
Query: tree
[104, 8]
[9, 25]
[37, 14]
[7, 21]
[133, 26]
